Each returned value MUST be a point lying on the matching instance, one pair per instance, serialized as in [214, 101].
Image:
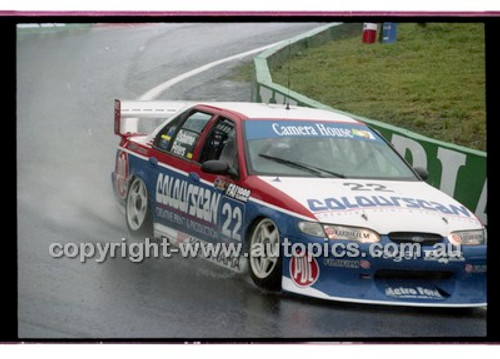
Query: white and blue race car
[351, 219]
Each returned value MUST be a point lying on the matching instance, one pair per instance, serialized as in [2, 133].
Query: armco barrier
[29, 28]
[456, 170]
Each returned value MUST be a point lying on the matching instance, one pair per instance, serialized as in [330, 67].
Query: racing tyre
[137, 210]
[265, 263]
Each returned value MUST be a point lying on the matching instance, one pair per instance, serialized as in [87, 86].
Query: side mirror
[215, 167]
[422, 173]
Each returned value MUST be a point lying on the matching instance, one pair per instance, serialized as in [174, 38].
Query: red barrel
[369, 32]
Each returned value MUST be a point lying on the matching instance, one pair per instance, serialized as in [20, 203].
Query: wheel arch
[143, 175]
[286, 223]
[251, 227]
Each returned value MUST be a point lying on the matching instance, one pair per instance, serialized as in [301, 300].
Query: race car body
[352, 221]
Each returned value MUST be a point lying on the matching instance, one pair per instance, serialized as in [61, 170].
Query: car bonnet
[381, 205]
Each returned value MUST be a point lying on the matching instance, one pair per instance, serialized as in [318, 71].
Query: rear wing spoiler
[128, 113]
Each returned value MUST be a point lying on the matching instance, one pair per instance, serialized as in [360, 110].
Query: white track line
[158, 90]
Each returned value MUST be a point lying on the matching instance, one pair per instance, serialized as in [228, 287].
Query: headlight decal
[337, 232]
[362, 235]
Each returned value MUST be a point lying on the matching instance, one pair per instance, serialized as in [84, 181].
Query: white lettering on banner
[481, 206]
[451, 162]
[417, 152]
[294, 130]
[334, 131]
[316, 130]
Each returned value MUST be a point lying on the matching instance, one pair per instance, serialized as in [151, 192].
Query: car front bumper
[409, 280]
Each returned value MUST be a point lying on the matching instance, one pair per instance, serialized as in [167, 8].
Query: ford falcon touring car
[351, 219]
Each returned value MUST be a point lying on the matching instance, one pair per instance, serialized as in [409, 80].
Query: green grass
[243, 72]
[431, 81]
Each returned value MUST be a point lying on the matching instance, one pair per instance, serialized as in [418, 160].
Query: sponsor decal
[471, 268]
[363, 133]
[232, 190]
[272, 129]
[231, 262]
[178, 150]
[347, 263]
[318, 129]
[340, 232]
[444, 253]
[185, 137]
[191, 225]
[365, 264]
[184, 143]
[304, 270]
[188, 198]
[220, 184]
[238, 193]
[199, 209]
[121, 174]
[413, 292]
[380, 201]
[341, 263]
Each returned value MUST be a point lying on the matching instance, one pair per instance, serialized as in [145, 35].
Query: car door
[221, 144]
[191, 205]
[182, 205]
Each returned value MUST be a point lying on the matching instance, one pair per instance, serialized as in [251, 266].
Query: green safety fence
[34, 28]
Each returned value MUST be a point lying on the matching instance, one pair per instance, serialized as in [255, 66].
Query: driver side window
[221, 144]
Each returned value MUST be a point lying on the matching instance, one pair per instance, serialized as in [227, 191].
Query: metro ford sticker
[304, 270]
[413, 292]
[344, 203]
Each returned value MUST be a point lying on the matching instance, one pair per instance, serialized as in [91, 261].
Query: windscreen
[321, 149]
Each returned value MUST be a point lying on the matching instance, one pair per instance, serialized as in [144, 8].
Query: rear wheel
[137, 209]
[265, 260]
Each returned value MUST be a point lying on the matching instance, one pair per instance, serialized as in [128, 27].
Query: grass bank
[431, 81]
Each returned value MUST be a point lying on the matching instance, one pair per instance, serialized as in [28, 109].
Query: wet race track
[66, 83]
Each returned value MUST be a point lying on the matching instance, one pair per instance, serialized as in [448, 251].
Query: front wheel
[265, 260]
[137, 209]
